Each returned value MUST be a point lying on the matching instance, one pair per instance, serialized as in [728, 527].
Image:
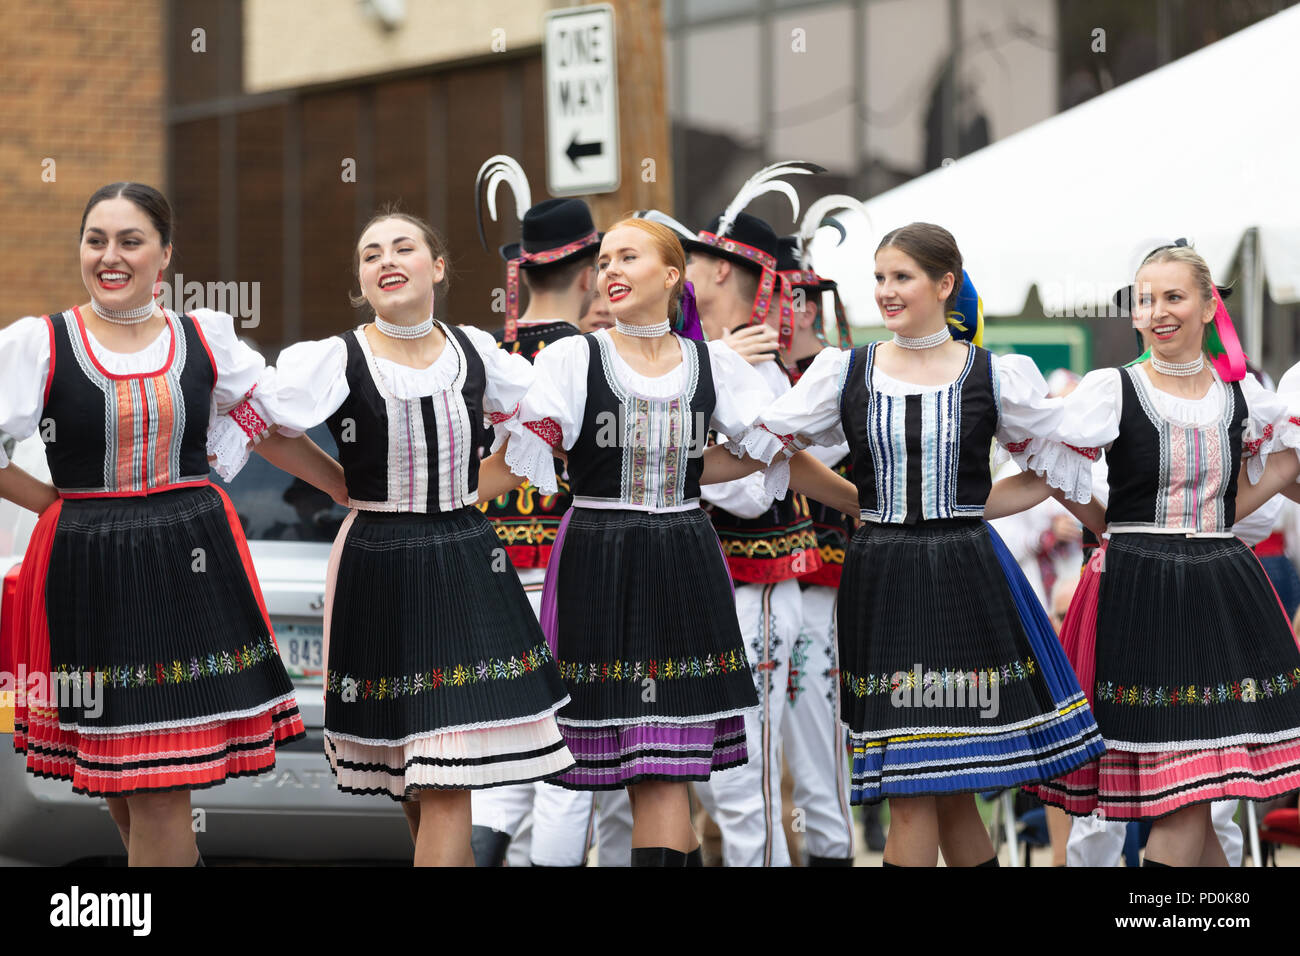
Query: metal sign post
[581, 78]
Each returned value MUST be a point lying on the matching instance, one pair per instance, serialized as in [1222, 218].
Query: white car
[292, 814]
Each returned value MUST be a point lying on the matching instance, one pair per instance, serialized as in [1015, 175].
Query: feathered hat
[551, 232]
[801, 273]
[747, 240]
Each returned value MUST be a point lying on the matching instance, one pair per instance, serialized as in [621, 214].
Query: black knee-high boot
[991, 861]
[695, 857]
[1150, 862]
[657, 856]
[488, 846]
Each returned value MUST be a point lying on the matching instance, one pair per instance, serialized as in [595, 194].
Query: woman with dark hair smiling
[137, 592]
[438, 678]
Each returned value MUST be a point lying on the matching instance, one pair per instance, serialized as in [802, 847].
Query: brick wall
[83, 84]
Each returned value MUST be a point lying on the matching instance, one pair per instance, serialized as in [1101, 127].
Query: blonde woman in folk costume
[1205, 706]
[637, 596]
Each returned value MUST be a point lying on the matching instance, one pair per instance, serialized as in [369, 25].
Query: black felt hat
[553, 224]
[747, 234]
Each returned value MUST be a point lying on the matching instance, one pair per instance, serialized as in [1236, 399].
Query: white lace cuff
[1064, 466]
[776, 479]
[229, 443]
[763, 445]
[529, 456]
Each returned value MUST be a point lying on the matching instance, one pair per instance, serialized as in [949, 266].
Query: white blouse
[1092, 416]
[748, 497]
[25, 366]
[308, 384]
[556, 403]
[809, 414]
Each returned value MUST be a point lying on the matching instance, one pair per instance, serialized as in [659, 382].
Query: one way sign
[581, 101]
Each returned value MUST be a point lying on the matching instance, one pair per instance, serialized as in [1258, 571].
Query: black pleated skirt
[645, 621]
[438, 673]
[1193, 648]
[953, 678]
[142, 624]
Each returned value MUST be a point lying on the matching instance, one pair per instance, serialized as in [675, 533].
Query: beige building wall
[290, 43]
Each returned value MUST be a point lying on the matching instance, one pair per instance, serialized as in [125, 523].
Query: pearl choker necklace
[123, 316]
[925, 342]
[643, 331]
[394, 331]
[1178, 368]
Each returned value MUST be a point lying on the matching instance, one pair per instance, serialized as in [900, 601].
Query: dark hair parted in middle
[933, 248]
[432, 238]
[145, 198]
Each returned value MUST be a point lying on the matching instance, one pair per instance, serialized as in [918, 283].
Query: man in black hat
[767, 545]
[556, 258]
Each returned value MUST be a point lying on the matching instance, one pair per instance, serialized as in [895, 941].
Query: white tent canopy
[1206, 147]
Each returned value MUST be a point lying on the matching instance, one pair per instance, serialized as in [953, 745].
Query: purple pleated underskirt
[611, 757]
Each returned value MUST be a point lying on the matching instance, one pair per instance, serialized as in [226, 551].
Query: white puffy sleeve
[24, 368]
[306, 386]
[240, 367]
[509, 376]
[1065, 452]
[741, 390]
[808, 414]
[1273, 423]
[746, 497]
[550, 412]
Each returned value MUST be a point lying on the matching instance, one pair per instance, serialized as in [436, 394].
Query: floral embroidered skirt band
[1195, 678]
[952, 678]
[438, 673]
[159, 671]
[639, 609]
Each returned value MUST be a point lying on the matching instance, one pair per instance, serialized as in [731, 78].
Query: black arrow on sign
[577, 149]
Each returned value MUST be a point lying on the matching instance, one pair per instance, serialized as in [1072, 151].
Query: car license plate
[302, 649]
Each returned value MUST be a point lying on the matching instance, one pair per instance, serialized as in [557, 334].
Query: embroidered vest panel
[642, 452]
[525, 520]
[126, 434]
[920, 457]
[418, 454]
[1171, 475]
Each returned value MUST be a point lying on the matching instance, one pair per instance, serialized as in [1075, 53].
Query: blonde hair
[1200, 274]
[1192, 259]
[670, 251]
